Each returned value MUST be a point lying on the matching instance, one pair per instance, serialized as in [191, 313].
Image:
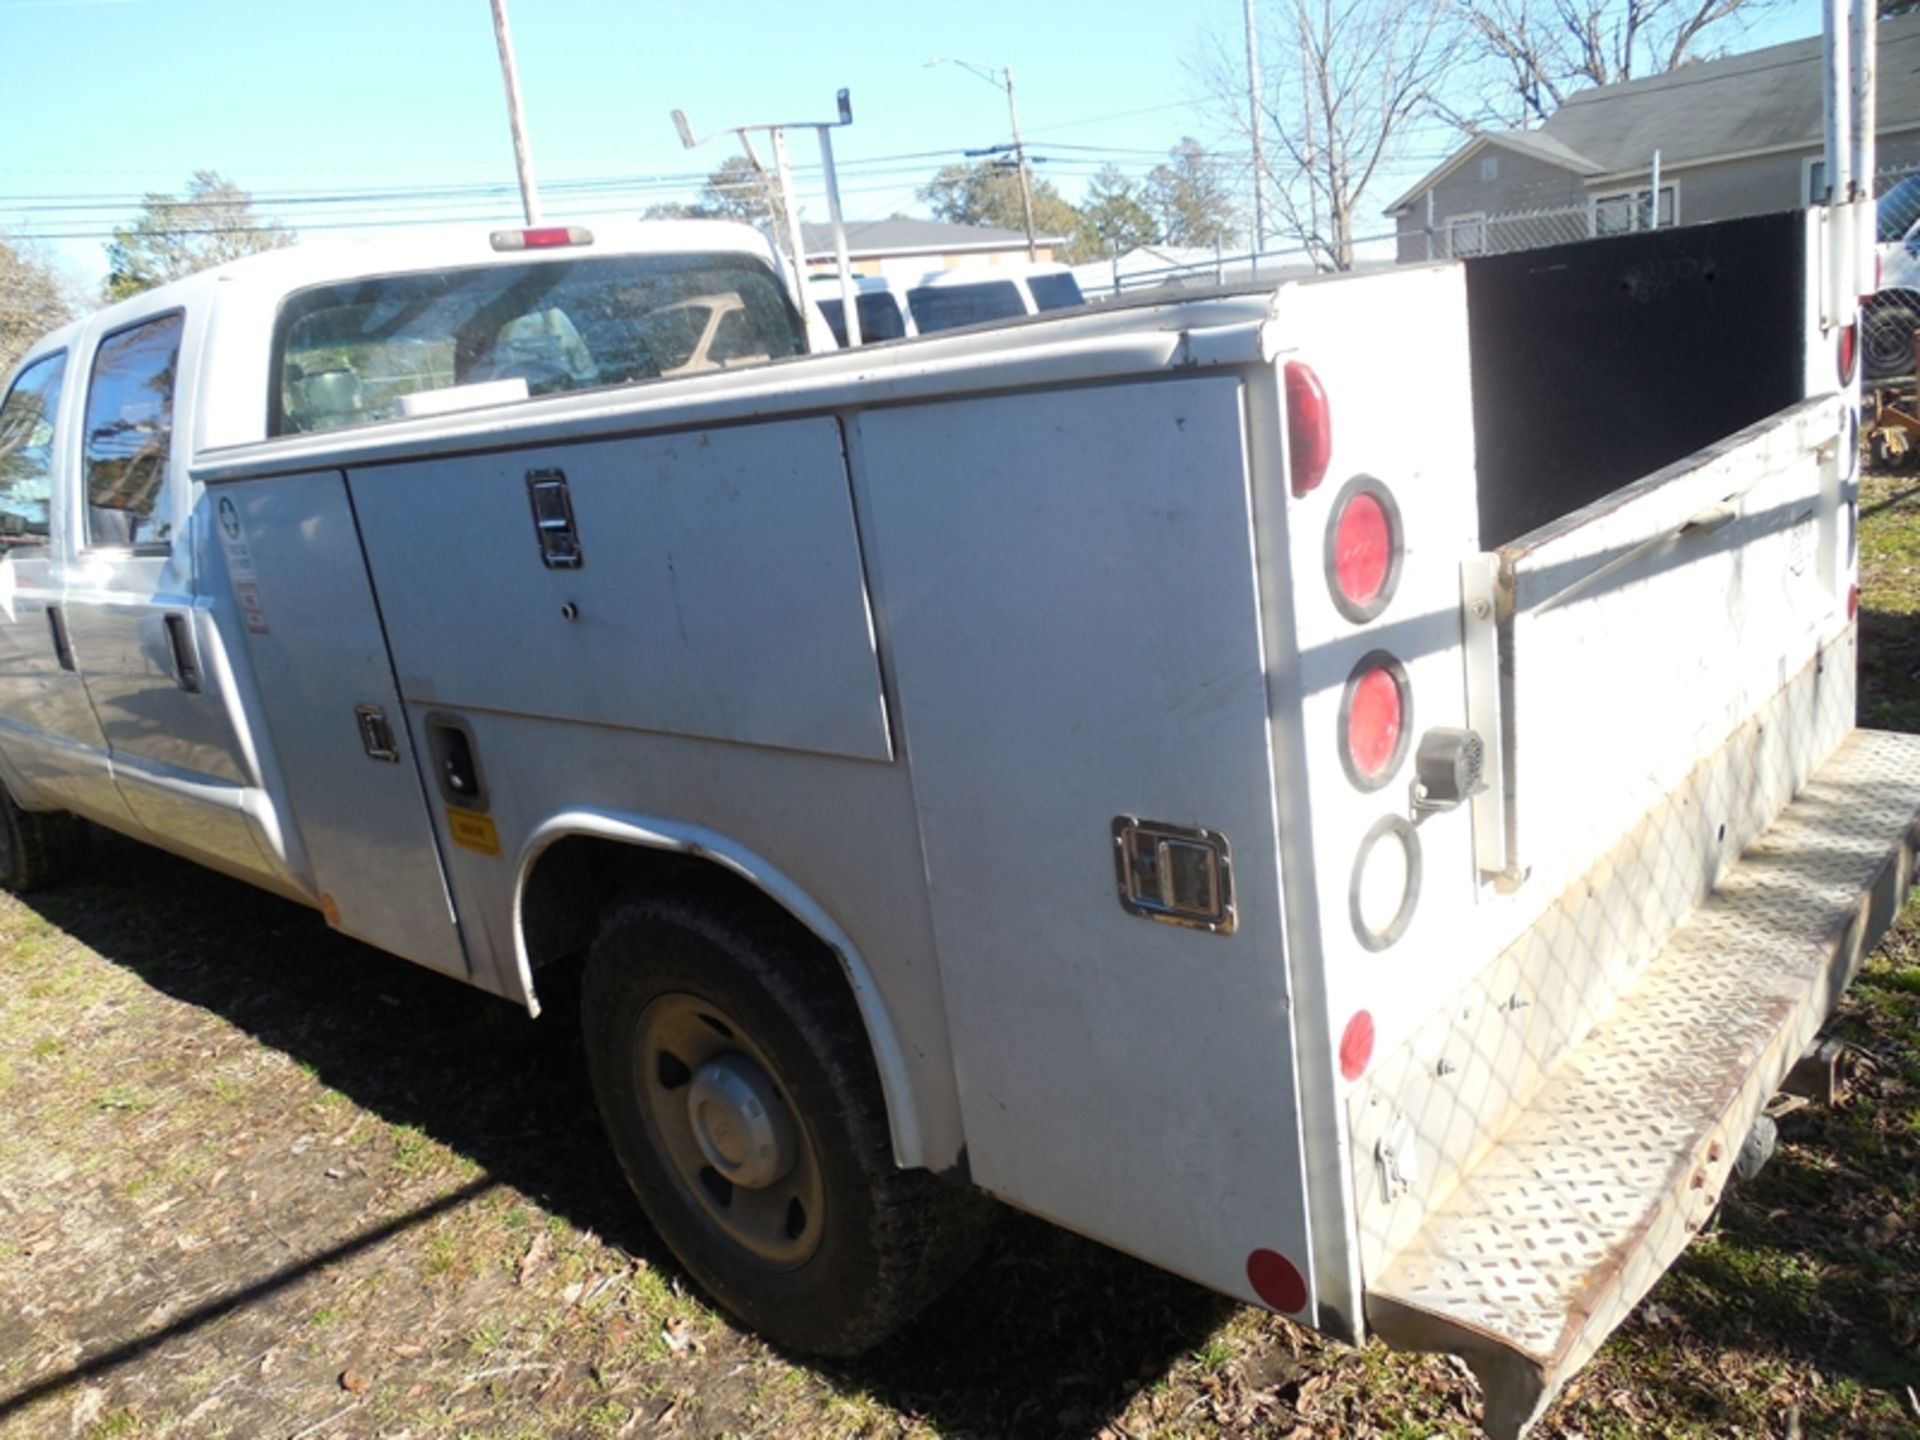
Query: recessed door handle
[62, 642]
[186, 659]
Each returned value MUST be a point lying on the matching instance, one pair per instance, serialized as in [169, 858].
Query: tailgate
[1637, 634]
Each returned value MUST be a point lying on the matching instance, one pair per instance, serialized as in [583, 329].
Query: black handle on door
[62, 644]
[186, 660]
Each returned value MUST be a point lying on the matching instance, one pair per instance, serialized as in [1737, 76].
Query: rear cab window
[346, 354]
[127, 434]
[946, 307]
[1055, 292]
[26, 450]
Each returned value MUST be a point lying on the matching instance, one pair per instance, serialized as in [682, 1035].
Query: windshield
[347, 353]
[1897, 210]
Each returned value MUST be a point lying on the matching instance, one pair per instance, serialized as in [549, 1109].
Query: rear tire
[39, 848]
[827, 1246]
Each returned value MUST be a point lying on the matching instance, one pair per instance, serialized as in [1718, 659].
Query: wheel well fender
[555, 904]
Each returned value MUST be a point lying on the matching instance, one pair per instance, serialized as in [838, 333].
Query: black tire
[39, 848]
[1886, 335]
[884, 1241]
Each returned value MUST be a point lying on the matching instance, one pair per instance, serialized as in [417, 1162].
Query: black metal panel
[1597, 363]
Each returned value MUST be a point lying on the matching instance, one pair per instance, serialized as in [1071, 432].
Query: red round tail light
[1374, 720]
[1363, 549]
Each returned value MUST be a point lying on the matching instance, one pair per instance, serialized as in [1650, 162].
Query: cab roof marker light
[544, 237]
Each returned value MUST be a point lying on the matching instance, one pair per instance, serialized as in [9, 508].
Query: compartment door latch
[553, 520]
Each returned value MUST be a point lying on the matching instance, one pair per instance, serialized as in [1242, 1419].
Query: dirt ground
[257, 1180]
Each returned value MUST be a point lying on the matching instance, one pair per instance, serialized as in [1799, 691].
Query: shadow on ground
[1048, 1334]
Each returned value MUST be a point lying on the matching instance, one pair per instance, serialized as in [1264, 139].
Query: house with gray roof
[907, 247]
[1737, 136]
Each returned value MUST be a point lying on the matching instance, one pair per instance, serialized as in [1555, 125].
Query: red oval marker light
[1849, 351]
[1309, 428]
[1277, 1281]
[1356, 1046]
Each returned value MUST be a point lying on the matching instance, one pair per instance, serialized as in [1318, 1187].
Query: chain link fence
[1889, 319]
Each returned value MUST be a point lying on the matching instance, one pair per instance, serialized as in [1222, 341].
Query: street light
[1002, 79]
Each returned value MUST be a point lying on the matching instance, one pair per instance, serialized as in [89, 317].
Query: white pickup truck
[1369, 843]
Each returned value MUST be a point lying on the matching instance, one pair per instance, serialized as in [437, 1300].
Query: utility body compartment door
[326, 689]
[1069, 588]
[713, 587]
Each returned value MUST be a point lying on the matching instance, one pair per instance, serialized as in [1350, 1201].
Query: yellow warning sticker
[473, 830]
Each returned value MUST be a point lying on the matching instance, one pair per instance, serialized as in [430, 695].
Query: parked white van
[892, 309]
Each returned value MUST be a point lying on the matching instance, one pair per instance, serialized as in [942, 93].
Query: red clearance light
[1363, 549]
[546, 237]
[1309, 428]
[1849, 351]
[1356, 1046]
[1853, 604]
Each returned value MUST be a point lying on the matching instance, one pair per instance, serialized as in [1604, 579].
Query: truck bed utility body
[1376, 863]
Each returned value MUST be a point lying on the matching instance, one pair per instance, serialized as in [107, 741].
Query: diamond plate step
[1588, 1197]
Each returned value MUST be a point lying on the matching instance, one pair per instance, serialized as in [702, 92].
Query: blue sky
[106, 99]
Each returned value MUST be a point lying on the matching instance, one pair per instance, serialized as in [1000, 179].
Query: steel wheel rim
[779, 1217]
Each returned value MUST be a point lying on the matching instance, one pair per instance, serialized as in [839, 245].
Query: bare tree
[1352, 80]
[34, 298]
[175, 236]
[1544, 50]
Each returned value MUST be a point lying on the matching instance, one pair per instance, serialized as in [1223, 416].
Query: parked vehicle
[976, 295]
[893, 309]
[1377, 870]
[882, 303]
[1893, 313]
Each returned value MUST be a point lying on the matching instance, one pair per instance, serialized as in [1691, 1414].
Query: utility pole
[1259, 155]
[1020, 159]
[1002, 79]
[522, 151]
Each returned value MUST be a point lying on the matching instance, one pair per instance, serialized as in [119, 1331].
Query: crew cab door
[52, 744]
[144, 644]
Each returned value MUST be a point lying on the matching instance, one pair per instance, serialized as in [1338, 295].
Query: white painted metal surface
[721, 592]
[319, 655]
[1069, 590]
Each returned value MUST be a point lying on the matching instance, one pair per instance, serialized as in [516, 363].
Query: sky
[352, 111]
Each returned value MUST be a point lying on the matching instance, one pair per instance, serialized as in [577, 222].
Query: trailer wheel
[39, 848]
[733, 1075]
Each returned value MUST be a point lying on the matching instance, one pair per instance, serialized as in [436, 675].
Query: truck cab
[124, 698]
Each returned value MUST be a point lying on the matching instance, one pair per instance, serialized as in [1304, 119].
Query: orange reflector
[1309, 429]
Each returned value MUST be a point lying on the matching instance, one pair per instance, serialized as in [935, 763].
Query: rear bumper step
[1584, 1202]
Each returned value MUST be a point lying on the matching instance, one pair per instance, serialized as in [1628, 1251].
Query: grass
[247, 1161]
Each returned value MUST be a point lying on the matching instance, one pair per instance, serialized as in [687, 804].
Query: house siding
[1524, 183]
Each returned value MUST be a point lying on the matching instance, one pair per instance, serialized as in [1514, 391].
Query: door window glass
[26, 450]
[129, 433]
